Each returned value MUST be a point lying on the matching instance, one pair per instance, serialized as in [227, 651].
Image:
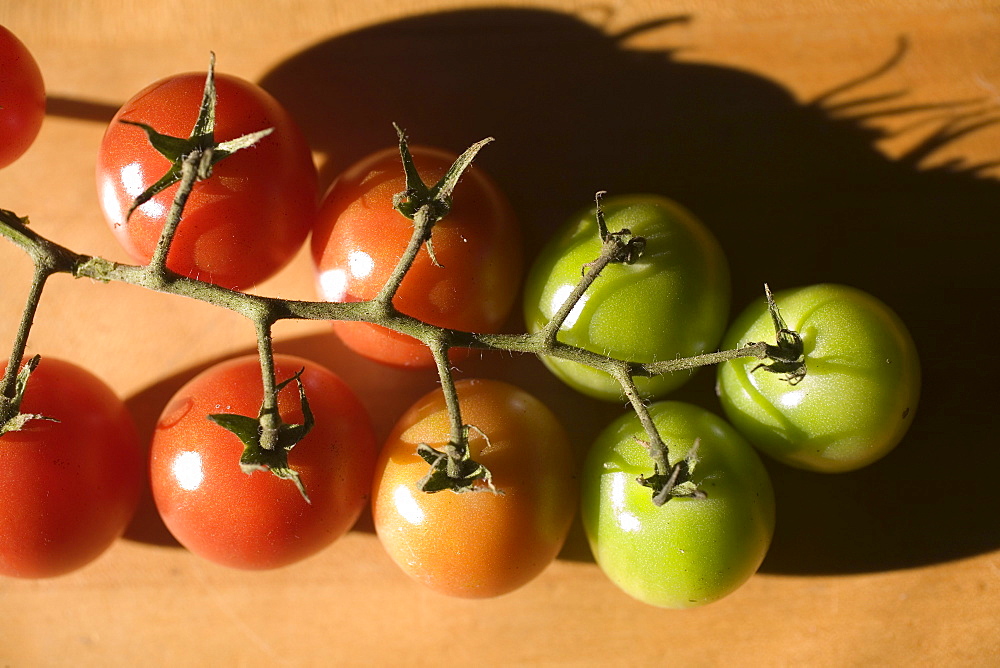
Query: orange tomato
[478, 544]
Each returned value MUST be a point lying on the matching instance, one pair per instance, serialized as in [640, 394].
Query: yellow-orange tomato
[478, 544]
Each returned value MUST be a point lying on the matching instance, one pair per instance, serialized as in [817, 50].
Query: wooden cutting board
[854, 142]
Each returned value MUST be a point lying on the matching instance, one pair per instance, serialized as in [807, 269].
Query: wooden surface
[850, 141]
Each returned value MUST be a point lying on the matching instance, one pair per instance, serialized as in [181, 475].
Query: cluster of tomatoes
[78, 473]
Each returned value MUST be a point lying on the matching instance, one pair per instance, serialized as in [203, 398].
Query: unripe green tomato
[689, 551]
[860, 390]
[672, 302]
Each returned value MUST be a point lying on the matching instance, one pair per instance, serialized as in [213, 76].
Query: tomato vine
[192, 161]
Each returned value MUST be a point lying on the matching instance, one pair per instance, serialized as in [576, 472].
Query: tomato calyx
[454, 469]
[676, 483]
[267, 439]
[199, 147]
[423, 204]
[787, 357]
[622, 246]
[11, 417]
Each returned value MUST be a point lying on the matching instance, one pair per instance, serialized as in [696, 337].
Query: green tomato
[689, 551]
[672, 302]
[860, 390]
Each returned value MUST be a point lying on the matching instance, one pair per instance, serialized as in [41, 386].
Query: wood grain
[854, 142]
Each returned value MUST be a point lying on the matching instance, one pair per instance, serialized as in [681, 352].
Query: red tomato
[259, 521]
[69, 488]
[22, 98]
[359, 239]
[244, 223]
[478, 544]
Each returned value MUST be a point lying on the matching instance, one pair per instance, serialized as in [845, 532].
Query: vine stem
[423, 223]
[41, 274]
[610, 250]
[270, 418]
[426, 207]
[657, 448]
[456, 443]
[758, 350]
[195, 166]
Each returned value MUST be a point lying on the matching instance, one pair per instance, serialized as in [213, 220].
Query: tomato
[244, 223]
[69, 488]
[689, 551]
[359, 239]
[477, 544]
[858, 396]
[672, 302]
[259, 521]
[22, 98]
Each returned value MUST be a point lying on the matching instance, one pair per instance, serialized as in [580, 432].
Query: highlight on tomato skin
[478, 544]
[359, 239]
[860, 392]
[257, 521]
[244, 223]
[68, 489]
[22, 98]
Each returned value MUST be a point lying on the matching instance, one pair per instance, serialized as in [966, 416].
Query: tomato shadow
[796, 191]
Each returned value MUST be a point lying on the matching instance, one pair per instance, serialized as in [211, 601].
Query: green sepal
[628, 247]
[164, 182]
[787, 356]
[172, 148]
[257, 457]
[18, 420]
[454, 469]
[202, 138]
[677, 483]
[204, 125]
[435, 199]
[443, 189]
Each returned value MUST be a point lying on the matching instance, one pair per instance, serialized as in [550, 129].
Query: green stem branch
[270, 418]
[41, 274]
[423, 223]
[195, 165]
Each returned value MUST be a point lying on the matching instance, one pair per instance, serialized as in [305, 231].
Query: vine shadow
[797, 193]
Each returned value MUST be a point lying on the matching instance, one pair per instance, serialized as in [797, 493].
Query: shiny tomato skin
[241, 225]
[861, 388]
[478, 544]
[22, 98]
[68, 489]
[359, 239]
[672, 302]
[259, 521]
[687, 552]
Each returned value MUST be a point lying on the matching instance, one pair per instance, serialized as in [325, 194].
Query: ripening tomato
[22, 98]
[477, 544]
[244, 223]
[359, 239]
[860, 391]
[256, 520]
[69, 488]
[689, 551]
[672, 302]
